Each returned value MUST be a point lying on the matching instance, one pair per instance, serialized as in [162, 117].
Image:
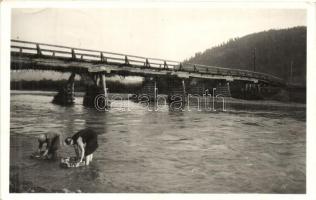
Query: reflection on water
[167, 151]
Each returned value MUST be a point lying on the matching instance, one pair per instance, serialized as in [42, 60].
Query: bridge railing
[89, 55]
[65, 52]
[232, 72]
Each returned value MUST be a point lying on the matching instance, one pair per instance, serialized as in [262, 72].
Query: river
[234, 151]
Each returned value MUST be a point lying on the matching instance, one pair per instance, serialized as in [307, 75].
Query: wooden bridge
[98, 64]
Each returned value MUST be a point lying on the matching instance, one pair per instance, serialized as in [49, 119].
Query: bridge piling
[247, 90]
[65, 95]
[177, 90]
[223, 89]
[149, 89]
[183, 87]
[196, 87]
[96, 94]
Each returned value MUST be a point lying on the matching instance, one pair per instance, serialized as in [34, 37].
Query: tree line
[278, 52]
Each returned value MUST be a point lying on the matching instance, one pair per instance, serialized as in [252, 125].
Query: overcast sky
[168, 33]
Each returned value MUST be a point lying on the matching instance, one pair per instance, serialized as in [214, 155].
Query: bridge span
[99, 64]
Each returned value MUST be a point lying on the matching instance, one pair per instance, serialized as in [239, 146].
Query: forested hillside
[278, 52]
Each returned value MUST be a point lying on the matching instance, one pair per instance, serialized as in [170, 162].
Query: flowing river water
[235, 151]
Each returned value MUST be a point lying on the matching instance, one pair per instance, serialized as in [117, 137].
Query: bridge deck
[39, 56]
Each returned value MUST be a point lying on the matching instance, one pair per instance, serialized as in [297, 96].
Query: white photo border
[5, 36]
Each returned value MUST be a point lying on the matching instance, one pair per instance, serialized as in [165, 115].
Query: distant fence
[87, 55]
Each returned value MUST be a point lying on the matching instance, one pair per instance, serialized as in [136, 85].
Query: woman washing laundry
[48, 146]
[85, 143]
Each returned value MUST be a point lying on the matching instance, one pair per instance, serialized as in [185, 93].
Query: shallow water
[236, 151]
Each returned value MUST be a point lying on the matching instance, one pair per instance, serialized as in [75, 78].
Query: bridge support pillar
[196, 87]
[65, 95]
[247, 90]
[252, 91]
[96, 94]
[149, 89]
[223, 89]
[177, 90]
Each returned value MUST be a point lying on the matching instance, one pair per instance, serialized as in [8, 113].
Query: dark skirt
[91, 145]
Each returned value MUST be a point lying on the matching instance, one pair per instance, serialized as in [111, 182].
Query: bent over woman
[85, 143]
[52, 141]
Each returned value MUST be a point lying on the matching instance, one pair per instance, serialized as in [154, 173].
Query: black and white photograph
[185, 98]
